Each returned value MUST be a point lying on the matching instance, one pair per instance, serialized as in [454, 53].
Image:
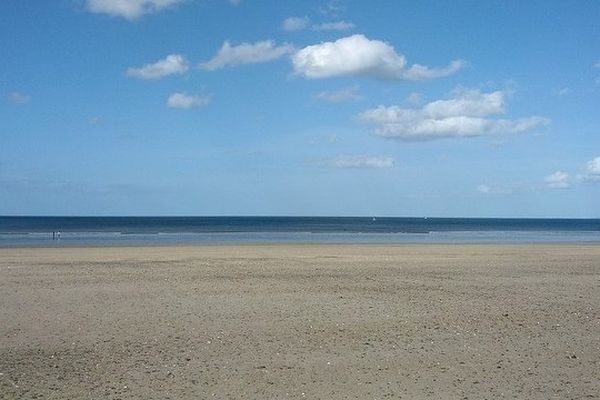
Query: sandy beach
[301, 321]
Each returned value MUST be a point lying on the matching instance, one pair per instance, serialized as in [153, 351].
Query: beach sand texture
[301, 321]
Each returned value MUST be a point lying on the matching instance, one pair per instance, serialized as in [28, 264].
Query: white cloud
[357, 55]
[361, 162]
[246, 53]
[467, 114]
[172, 64]
[593, 166]
[292, 24]
[129, 9]
[592, 171]
[561, 179]
[557, 180]
[334, 26]
[19, 98]
[184, 100]
[339, 96]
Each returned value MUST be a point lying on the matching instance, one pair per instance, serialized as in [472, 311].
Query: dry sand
[302, 321]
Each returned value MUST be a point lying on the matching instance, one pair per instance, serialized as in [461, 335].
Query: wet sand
[301, 321]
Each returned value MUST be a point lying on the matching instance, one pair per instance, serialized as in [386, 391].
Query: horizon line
[282, 216]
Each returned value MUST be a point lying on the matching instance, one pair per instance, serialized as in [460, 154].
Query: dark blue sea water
[17, 231]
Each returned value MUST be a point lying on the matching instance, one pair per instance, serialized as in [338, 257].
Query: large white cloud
[184, 100]
[468, 113]
[129, 9]
[246, 53]
[357, 55]
[172, 64]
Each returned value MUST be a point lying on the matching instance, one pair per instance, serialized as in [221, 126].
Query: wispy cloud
[19, 98]
[415, 98]
[246, 53]
[334, 26]
[172, 64]
[129, 9]
[468, 113]
[523, 187]
[332, 7]
[494, 189]
[357, 55]
[184, 100]
[339, 96]
[96, 121]
[62, 186]
[557, 180]
[292, 24]
[562, 91]
[358, 162]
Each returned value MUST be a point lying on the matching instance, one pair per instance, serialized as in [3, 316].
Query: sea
[111, 231]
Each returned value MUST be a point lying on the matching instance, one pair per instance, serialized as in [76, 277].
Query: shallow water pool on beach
[189, 238]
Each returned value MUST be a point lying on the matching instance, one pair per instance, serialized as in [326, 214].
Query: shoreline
[297, 244]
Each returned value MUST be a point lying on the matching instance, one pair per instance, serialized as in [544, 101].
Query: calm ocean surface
[35, 231]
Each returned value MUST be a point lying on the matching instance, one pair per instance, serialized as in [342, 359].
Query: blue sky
[248, 107]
